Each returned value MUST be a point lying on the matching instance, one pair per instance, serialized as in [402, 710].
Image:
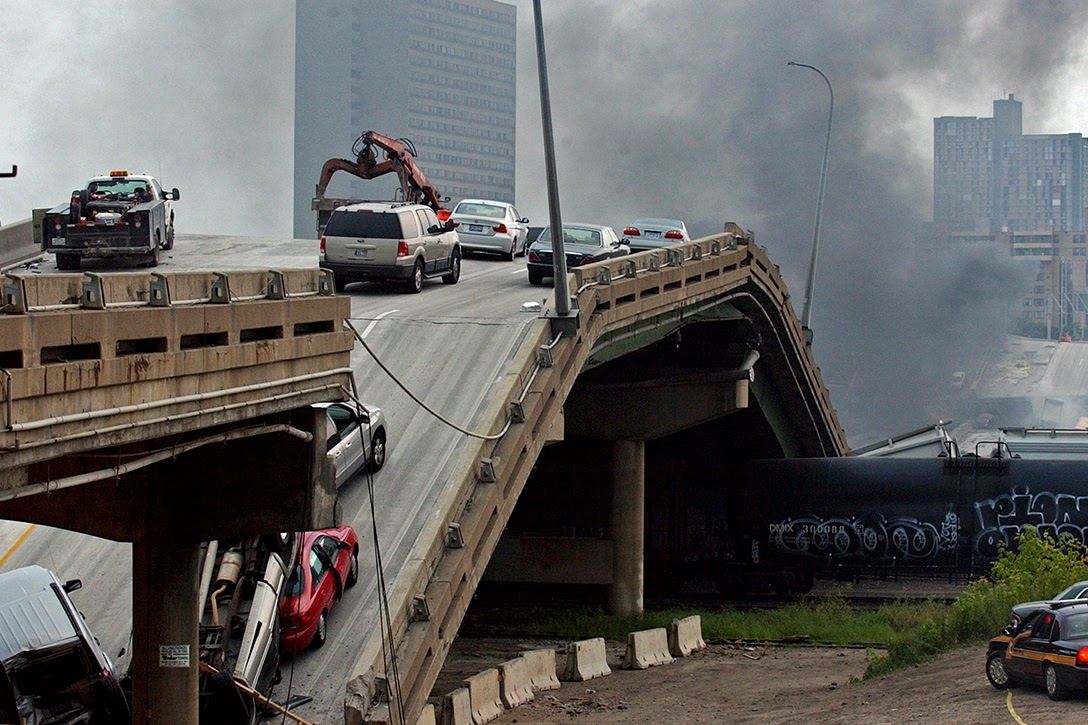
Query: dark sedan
[1073, 591]
[1048, 648]
[582, 244]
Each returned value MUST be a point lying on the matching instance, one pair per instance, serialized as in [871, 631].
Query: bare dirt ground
[737, 683]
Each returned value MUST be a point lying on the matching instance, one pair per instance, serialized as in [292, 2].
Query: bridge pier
[627, 527]
[165, 625]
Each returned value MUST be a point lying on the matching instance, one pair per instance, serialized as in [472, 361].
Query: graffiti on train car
[1001, 518]
[872, 538]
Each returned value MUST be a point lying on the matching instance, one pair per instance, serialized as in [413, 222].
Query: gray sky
[679, 108]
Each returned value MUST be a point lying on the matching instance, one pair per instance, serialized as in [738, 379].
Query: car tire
[414, 284]
[996, 673]
[377, 452]
[322, 632]
[509, 256]
[153, 255]
[67, 262]
[535, 277]
[455, 268]
[114, 703]
[1056, 689]
[339, 282]
[169, 236]
[353, 570]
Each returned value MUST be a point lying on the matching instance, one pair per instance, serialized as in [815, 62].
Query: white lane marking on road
[375, 322]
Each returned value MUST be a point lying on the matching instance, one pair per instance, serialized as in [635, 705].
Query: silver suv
[397, 241]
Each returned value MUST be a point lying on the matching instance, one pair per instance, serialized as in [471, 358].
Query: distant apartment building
[1056, 300]
[988, 176]
[438, 72]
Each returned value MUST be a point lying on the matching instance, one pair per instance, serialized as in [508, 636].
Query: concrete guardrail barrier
[483, 692]
[686, 636]
[515, 685]
[647, 648]
[585, 660]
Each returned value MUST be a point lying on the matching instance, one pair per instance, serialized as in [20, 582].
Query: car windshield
[491, 211]
[375, 225]
[117, 187]
[671, 223]
[294, 586]
[1074, 591]
[574, 235]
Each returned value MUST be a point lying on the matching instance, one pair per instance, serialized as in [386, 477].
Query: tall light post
[806, 308]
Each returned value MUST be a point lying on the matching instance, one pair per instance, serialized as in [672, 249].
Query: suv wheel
[455, 269]
[414, 284]
[536, 277]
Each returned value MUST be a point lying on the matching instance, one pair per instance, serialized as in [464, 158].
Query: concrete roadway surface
[448, 344]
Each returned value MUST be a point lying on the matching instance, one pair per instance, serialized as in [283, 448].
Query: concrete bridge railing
[89, 361]
[433, 592]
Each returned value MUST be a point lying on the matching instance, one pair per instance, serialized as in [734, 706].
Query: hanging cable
[420, 403]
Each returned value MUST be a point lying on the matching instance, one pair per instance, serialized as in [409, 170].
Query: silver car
[490, 226]
[356, 438]
[654, 233]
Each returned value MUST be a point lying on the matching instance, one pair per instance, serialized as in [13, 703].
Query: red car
[330, 564]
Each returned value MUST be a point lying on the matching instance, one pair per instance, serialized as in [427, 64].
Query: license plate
[60, 242]
[475, 227]
[361, 253]
[653, 235]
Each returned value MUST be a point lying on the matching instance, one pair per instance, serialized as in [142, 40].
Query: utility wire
[420, 403]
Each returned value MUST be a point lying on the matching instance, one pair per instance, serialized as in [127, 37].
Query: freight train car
[788, 521]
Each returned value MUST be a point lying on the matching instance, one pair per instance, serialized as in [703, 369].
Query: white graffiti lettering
[872, 538]
[1000, 519]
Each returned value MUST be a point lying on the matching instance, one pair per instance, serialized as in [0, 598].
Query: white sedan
[490, 226]
[653, 233]
[356, 438]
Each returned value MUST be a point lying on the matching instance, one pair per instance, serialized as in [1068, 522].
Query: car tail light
[322, 245]
[533, 256]
[1082, 656]
[442, 214]
[584, 261]
[673, 234]
[501, 229]
[631, 232]
[456, 224]
[402, 249]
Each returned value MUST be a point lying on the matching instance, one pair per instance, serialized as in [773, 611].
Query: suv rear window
[376, 225]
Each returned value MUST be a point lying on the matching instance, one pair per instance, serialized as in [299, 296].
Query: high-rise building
[438, 72]
[990, 177]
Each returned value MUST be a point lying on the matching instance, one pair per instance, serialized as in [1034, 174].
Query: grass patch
[829, 620]
[907, 632]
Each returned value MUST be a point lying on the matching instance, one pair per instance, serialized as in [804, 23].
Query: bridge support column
[627, 526]
[165, 657]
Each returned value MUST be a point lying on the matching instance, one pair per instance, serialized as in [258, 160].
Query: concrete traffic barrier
[585, 660]
[457, 707]
[483, 693]
[647, 648]
[515, 687]
[427, 716]
[541, 664]
[686, 636]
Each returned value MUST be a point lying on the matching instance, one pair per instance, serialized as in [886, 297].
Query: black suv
[53, 669]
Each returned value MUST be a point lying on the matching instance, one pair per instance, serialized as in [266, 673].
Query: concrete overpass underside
[167, 410]
[692, 349]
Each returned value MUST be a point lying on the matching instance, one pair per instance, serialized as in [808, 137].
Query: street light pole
[806, 310]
